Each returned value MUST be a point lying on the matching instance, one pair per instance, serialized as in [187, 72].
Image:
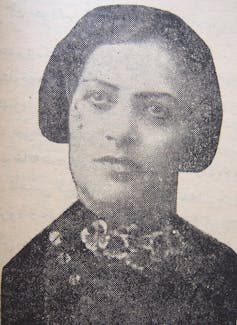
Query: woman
[134, 92]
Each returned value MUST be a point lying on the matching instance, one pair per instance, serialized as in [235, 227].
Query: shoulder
[206, 253]
[22, 281]
[204, 247]
[210, 267]
[23, 278]
[32, 254]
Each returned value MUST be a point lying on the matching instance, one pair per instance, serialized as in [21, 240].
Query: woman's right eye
[99, 99]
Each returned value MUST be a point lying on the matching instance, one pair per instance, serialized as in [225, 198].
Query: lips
[125, 163]
[120, 169]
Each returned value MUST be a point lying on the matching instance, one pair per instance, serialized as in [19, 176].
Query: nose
[122, 126]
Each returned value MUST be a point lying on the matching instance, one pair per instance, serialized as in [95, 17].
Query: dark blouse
[62, 277]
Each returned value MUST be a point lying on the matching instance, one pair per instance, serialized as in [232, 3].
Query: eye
[99, 99]
[97, 96]
[158, 111]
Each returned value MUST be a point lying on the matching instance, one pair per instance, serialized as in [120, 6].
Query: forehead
[135, 67]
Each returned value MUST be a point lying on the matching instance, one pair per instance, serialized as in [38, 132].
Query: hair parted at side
[133, 23]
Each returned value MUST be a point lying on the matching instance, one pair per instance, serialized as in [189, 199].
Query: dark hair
[132, 23]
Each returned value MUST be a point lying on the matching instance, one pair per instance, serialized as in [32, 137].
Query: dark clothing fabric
[56, 279]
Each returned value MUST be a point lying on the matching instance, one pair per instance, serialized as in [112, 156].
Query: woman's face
[126, 122]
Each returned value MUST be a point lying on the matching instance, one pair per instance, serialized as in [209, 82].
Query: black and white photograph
[118, 163]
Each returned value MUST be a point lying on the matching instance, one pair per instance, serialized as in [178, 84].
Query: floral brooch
[127, 245]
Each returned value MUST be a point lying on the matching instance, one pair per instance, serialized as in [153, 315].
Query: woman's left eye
[158, 111]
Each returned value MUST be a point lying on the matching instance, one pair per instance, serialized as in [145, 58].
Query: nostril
[108, 137]
[126, 141]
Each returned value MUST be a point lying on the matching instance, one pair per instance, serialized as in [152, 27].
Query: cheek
[157, 139]
[84, 134]
[84, 122]
[75, 120]
[161, 145]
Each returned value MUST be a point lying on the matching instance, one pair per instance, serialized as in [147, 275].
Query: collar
[132, 246]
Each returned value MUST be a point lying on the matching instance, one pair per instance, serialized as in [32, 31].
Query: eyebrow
[143, 94]
[103, 83]
[157, 95]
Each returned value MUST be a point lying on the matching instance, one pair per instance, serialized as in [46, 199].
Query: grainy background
[36, 185]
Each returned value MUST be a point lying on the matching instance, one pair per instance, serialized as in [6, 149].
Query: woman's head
[132, 68]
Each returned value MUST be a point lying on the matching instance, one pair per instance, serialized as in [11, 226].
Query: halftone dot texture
[62, 278]
[132, 23]
[169, 277]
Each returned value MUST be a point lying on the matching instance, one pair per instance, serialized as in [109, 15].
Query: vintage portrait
[134, 93]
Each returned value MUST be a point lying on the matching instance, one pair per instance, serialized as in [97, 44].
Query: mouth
[122, 168]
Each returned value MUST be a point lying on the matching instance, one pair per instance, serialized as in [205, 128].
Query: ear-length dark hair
[132, 23]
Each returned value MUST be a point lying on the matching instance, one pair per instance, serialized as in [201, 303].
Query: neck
[146, 210]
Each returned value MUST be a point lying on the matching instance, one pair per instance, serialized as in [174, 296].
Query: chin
[108, 192]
